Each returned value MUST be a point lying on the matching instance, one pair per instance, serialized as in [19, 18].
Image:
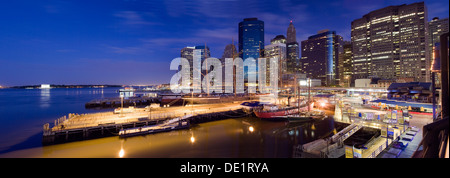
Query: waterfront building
[320, 56]
[292, 50]
[412, 91]
[251, 44]
[391, 43]
[45, 86]
[436, 28]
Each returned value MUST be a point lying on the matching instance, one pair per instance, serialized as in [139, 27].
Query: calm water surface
[23, 112]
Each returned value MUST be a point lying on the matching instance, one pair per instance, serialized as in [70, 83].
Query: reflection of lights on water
[45, 98]
[192, 139]
[121, 153]
[251, 129]
[322, 104]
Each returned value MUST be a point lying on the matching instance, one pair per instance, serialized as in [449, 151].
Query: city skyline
[133, 42]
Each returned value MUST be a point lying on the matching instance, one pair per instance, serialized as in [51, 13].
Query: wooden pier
[87, 126]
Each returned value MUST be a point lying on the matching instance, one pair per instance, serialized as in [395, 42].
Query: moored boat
[274, 112]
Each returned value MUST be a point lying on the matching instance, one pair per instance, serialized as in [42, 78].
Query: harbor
[319, 137]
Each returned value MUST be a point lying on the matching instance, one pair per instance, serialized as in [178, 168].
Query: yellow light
[322, 104]
[121, 153]
[251, 129]
[192, 139]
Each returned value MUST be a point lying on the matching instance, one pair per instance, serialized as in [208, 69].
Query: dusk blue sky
[134, 41]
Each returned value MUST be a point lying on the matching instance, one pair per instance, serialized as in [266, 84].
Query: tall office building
[251, 38]
[320, 56]
[191, 53]
[251, 44]
[292, 58]
[391, 43]
[277, 49]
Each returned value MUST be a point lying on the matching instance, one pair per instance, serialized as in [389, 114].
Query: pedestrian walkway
[404, 146]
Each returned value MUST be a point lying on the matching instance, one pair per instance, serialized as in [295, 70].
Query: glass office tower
[320, 56]
[251, 44]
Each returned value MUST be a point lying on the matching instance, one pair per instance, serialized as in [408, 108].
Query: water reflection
[121, 152]
[44, 98]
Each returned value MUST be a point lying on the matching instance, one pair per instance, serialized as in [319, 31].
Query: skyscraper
[391, 43]
[251, 44]
[292, 58]
[320, 56]
[345, 65]
[251, 38]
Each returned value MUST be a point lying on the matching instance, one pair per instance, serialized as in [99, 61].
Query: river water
[23, 112]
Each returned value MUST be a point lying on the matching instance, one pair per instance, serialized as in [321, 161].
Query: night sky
[132, 42]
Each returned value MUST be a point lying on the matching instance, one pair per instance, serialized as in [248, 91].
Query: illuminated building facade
[320, 56]
[345, 65]
[276, 50]
[251, 43]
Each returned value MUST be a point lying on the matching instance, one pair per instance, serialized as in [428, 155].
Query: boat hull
[274, 115]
